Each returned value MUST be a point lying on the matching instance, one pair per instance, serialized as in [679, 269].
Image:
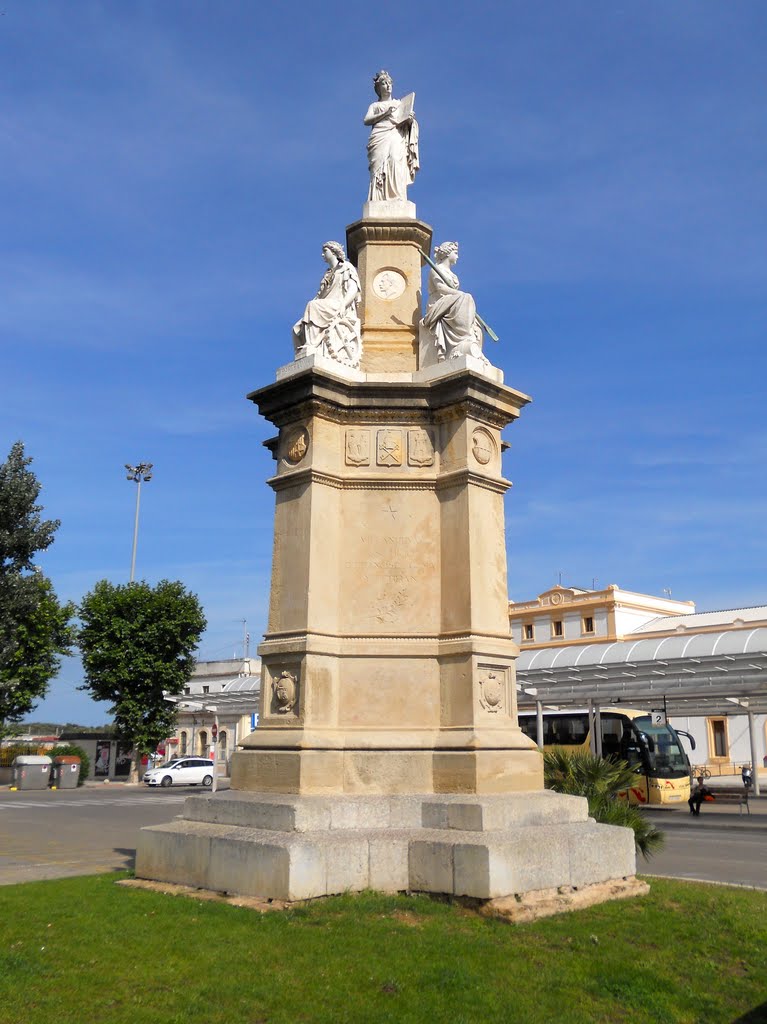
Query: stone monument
[388, 753]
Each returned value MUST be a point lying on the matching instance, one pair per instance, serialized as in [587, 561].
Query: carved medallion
[389, 451]
[491, 693]
[482, 446]
[285, 692]
[420, 451]
[389, 284]
[296, 445]
[358, 448]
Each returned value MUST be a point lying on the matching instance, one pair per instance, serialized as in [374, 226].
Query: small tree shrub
[72, 749]
[600, 780]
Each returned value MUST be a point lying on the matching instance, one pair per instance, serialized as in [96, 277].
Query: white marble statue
[451, 315]
[393, 143]
[330, 325]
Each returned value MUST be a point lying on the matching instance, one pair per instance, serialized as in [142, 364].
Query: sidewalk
[723, 816]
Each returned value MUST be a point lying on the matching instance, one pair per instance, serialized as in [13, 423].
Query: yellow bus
[653, 751]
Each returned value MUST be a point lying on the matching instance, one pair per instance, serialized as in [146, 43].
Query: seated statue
[451, 315]
[330, 325]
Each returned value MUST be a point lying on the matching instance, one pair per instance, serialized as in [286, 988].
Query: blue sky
[170, 169]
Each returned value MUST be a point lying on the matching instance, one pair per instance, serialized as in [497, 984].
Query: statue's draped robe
[450, 315]
[392, 155]
[330, 323]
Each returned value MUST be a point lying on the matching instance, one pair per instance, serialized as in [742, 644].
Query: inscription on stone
[389, 450]
[420, 451]
[392, 568]
[358, 447]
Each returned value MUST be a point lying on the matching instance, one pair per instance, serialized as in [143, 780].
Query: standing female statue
[451, 315]
[330, 325]
[392, 146]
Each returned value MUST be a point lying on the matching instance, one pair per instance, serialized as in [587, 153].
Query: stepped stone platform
[300, 847]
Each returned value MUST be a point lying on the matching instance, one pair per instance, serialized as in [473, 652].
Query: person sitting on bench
[697, 796]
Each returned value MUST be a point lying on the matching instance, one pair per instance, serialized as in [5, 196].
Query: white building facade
[707, 670]
[222, 697]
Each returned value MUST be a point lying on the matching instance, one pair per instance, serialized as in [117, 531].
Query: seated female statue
[451, 315]
[330, 325]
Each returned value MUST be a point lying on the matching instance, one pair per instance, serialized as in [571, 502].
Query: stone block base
[358, 772]
[296, 848]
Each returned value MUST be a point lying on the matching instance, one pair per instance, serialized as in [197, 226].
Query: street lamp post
[142, 473]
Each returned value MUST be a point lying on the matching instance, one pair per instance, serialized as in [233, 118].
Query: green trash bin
[66, 771]
[31, 771]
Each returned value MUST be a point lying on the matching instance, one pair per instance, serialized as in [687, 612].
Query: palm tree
[601, 780]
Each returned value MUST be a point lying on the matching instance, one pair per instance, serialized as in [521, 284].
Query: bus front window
[663, 750]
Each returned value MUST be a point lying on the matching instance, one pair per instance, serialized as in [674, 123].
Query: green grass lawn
[84, 950]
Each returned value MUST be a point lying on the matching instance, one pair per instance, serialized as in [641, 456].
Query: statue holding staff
[393, 143]
[451, 315]
[330, 325]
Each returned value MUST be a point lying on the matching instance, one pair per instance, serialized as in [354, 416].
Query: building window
[182, 744]
[222, 745]
[187, 690]
[556, 629]
[588, 624]
[203, 741]
[206, 689]
[528, 631]
[719, 746]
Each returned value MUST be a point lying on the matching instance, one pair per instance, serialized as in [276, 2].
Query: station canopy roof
[708, 673]
[239, 696]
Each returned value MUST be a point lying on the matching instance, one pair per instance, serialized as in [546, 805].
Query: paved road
[719, 846]
[713, 856]
[49, 834]
[54, 834]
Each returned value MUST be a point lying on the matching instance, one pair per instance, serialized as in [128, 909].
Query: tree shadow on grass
[756, 1016]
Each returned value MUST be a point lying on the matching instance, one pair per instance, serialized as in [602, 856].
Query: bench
[725, 795]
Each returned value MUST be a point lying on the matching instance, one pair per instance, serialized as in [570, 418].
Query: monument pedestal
[297, 848]
[388, 753]
[387, 665]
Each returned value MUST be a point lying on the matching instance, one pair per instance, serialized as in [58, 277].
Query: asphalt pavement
[59, 833]
[54, 834]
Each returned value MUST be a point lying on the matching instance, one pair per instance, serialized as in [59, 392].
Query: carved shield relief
[492, 691]
[420, 451]
[358, 448]
[389, 451]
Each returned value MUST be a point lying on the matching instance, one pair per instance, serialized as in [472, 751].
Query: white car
[182, 771]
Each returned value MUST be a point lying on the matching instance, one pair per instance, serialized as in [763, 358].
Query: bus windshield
[667, 759]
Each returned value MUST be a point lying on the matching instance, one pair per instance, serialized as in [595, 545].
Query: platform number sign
[658, 717]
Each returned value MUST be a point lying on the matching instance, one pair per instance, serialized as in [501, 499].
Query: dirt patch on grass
[172, 889]
[406, 917]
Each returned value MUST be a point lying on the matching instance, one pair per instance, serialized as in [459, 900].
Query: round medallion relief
[296, 445]
[389, 284]
[482, 446]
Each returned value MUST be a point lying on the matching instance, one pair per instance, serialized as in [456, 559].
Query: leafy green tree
[138, 644]
[23, 533]
[42, 636]
[601, 780]
[34, 627]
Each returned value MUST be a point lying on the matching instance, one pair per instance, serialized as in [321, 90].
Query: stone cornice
[317, 393]
[361, 232]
